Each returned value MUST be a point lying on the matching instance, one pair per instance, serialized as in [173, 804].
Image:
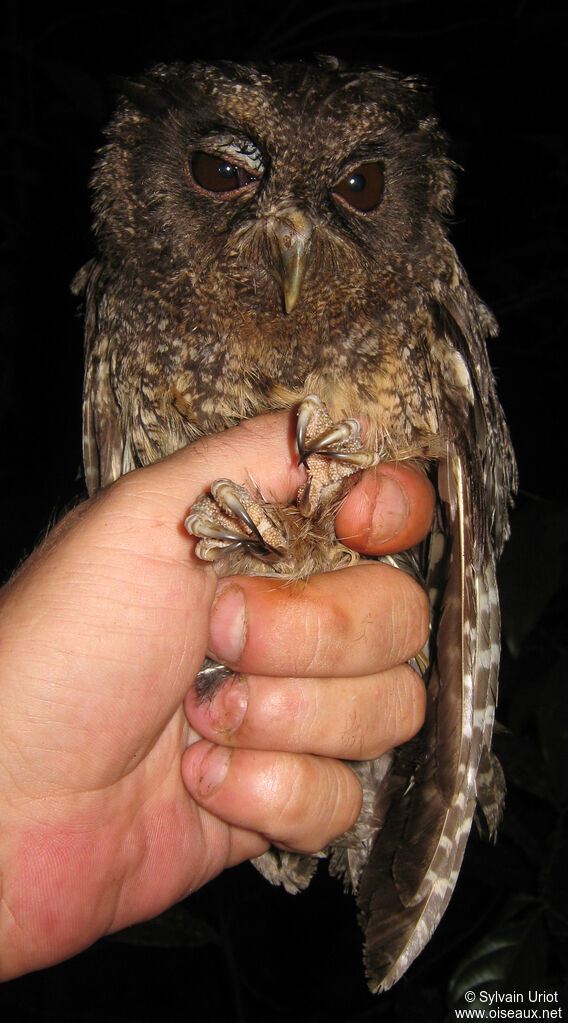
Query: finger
[350, 719]
[390, 510]
[295, 802]
[356, 621]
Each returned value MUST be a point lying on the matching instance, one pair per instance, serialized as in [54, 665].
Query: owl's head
[286, 182]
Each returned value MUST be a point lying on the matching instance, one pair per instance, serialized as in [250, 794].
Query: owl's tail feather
[416, 857]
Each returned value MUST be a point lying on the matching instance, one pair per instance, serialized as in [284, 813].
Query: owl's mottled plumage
[311, 256]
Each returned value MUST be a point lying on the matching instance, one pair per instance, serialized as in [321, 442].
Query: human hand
[103, 631]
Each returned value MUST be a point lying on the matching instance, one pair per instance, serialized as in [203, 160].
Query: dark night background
[498, 71]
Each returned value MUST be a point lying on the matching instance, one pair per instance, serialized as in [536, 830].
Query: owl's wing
[104, 455]
[431, 789]
[429, 798]
[491, 465]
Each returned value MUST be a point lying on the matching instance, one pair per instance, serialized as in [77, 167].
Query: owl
[274, 236]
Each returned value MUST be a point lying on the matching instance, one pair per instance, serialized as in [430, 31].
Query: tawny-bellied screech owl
[272, 237]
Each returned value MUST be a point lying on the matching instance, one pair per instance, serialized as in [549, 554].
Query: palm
[108, 732]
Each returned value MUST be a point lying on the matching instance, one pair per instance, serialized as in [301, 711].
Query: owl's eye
[362, 188]
[215, 174]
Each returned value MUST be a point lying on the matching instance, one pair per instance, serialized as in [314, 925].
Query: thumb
[391, 509]
[262, 449]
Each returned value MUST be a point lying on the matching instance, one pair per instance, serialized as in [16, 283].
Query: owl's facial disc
[276, 238]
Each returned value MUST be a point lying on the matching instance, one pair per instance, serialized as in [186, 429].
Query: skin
[107, 817]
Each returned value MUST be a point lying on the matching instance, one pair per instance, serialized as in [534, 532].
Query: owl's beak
[290, 241]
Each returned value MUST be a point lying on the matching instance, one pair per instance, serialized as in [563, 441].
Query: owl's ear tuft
[327, 62]
[148, 94]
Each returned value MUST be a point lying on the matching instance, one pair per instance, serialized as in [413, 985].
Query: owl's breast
[199, 369]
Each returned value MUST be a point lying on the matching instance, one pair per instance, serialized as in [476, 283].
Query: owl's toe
[330, 451]
[230, 520]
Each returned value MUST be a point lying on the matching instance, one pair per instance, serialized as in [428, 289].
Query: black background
[497, 70]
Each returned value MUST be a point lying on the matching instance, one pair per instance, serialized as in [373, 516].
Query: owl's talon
[360, 459]
[340, 441]
[306, 411]
[223, 492]
[215, 551]
[304, 500]
[224, 522]
[330, 451]
[199, 525]
[339, 433]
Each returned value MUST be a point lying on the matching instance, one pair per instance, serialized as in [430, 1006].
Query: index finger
[355, 621]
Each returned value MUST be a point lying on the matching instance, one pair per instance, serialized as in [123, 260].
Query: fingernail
[390, 511]
[227, 624]
[229, 706]
[213, 770]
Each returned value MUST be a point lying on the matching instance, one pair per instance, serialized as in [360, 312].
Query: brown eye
[215, 174]
[363, 187]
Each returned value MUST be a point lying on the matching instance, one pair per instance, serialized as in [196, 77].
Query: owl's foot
[330, 451]
[229, 520]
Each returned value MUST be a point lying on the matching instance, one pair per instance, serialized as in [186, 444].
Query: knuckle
[407, 705]
[308, 650]
[322, 802]
[396, 715]
[344, 801]
[354, 733]
[289, 803]
[326, 625]
[423, 610]
[413, 619]
[289, 702]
